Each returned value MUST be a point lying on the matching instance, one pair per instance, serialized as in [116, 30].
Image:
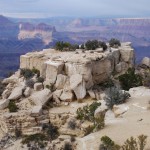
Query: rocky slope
[71, 81]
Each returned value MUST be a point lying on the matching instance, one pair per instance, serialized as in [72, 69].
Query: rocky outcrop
[79, 71]
[146, 61]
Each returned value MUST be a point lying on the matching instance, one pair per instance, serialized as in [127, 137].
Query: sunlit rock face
[79, 71]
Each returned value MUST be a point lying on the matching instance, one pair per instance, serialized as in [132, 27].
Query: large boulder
[101, 70]
[6, 94]
[36, 111]
[83, 68]
[16, 93]
[60, 82]
[77, 84]
[52, 70]
[3, 104]
[41, 97]
[146, 61]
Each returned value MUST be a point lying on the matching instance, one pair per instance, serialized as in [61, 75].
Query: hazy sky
[77, 8]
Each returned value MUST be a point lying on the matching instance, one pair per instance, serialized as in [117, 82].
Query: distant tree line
[89, 45]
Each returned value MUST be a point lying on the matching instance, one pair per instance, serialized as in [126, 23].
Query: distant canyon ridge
[18, 36]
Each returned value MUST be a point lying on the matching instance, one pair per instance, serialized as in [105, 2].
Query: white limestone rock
[67, 96]
[36, 111]
[77, 84]
[40, 98]
[60, 82]
[52, 70]
[6, 94]
[16, 93]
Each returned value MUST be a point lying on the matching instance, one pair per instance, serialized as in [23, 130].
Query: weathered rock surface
[60, 82]
[27, 92]
[93, 67]
[67, 96]
[16, 93]
[77, 84]
[36, 111]
[40, 98]
[38, 86]
[4, 103]
[6, 94]
[120, 109]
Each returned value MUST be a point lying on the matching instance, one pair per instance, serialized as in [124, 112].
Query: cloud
[76, 7]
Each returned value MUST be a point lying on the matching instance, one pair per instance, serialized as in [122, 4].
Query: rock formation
[79, 71]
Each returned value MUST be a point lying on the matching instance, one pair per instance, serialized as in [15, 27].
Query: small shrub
[38, 139]
[18, 132]
[67, 146]
[130, 79]
[12, 107]
[72, 124]
[135, 144]
[87, 112]
[103, 45]
[27, 73]
[50, 130]
[108, 144]
[114, 43]
[107, 84]
[115, 96]
[30, 83]
[36, 71]
[40, 79]
[92, 45]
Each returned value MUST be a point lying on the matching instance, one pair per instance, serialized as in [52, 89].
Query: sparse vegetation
[40, 79]
[72, 124]
[12, 106]
[130, 79]
[93, 44]
[50, 130]
[28, 73]
[115, 96]
[108, 144]
[129, 144]
[68, 146]
[135, 144]
[114, 43]
[18, 132]
[30, 83]
[87, 113]
[38, 140]
[66, 46]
